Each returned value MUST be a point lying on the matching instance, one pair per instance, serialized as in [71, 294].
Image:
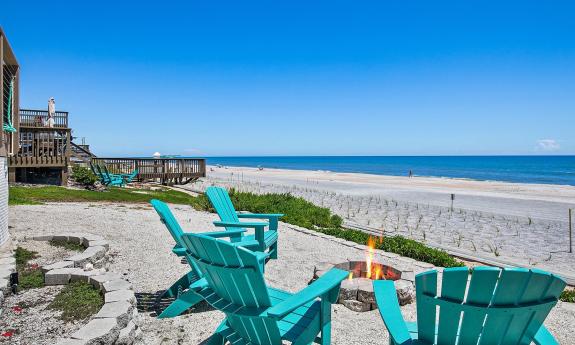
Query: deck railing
[39, 118]
[42, 147]
[166, 170]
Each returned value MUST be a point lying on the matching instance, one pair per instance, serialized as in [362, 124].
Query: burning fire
[369, 257]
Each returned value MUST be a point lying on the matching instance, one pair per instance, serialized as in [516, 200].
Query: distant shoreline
[549, 170]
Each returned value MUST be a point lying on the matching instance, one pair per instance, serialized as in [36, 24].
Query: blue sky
[303, 77]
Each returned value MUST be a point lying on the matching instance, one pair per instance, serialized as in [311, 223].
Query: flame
[377, 272]
[350, 276]
[369, 256]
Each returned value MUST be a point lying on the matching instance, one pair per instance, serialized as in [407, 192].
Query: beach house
[9, 75]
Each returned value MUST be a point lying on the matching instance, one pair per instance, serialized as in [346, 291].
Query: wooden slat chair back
[237, 287]
[487, 305]
[222, 203]
[169, 220]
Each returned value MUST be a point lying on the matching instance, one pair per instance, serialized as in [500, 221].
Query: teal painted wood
[255, 313]
[107, 179]
[230, 219]
[484, 306]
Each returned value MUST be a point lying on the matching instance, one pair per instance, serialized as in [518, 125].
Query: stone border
[117, 321]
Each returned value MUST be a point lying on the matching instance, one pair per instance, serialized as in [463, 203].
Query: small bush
[83, 176]
[77, 301]
[568, 296]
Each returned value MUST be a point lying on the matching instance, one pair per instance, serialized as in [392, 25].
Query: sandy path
[143, 254]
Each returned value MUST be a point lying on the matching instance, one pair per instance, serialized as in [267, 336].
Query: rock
[89, 237]
[127, 334]
[56, 265]
[43, 238]
[365, 291]
[60, 238]
[98, 331]
[120, 295]
[121, 311]
[90, 255]
[59, 276]
[348, 290]
[99, 243]
[116, 284]
[98, 281]
[356, 305]
[84, 275]
[405, 291]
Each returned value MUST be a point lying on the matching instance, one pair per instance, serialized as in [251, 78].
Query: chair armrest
[260, 215]
[325, 284]
[544, 337]
[227, 233]
[179, 251]
[388, 306]
[240, 224]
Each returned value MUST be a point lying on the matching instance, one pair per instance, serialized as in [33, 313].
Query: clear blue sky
[303, 77]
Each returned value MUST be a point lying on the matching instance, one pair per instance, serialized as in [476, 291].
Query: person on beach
[410, 173]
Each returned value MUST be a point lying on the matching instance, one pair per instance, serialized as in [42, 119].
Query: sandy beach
[141, 249]
[526, 224]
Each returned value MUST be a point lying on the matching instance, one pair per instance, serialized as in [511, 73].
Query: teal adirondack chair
[126, 177]
[109, 180]
[255, 313]
[230, 219]
[186, 297]
[492, 306]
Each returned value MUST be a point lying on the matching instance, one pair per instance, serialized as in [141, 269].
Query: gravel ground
[34, 324]
[47, 253]
[142, 246]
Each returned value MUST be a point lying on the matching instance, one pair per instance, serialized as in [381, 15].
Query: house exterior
[9, 91]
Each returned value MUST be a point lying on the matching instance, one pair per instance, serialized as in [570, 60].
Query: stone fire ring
[117, 321]
[357, 293]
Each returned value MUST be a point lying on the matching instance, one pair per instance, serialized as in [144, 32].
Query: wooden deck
[166, 170]
[37, 118]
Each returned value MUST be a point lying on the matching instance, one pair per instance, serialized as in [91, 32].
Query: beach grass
[297, 211]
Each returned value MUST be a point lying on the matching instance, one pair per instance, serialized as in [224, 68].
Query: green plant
[67, 245]
[30, 278]
[22, 256]
[568, 296]
[77, 301]
[83, 176]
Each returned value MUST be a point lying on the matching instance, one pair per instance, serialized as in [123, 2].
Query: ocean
[522, 169]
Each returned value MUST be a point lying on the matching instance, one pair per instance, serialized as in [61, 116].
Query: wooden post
[570, 230]
[452, 198]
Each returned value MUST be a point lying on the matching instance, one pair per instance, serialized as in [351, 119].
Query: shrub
[22, 256]
[83, 176]
[568, 296]
[297, 211]
[77, 301]
[67, 245]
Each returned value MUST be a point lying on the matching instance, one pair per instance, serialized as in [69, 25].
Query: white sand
[143, 252]
[520, 223]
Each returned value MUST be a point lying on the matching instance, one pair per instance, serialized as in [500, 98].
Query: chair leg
[185, 301]
[274, 251]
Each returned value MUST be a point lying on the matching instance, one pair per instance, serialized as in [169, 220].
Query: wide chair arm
[328, 283]
[232, 234]
[388, 306]
[271, 217]
[257, 226]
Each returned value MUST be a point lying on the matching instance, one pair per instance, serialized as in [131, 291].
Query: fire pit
[356, 292]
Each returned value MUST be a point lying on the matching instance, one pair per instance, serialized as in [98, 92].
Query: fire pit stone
[357, 292]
